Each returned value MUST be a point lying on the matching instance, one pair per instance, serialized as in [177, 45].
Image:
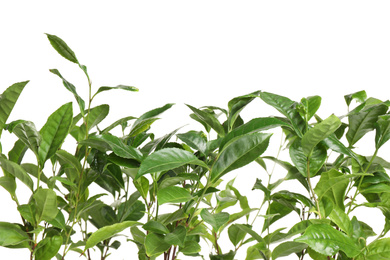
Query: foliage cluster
[166, 191]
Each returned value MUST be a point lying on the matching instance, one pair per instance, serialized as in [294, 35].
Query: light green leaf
[97, 114]
[122, 122]
[190, 247]
[359, 96]
[215, 220]
[156, 227]
[9, 184]
[62, 48]
[7, 101]
[155, 244]
[318, 133]
[377, 250]
[236, 234]
[173, 194]
[13, 235]
[54, 132]
[107, 232]
[17, 171]
[45, 204]
[238, 153]
[28, 134]
[341, 219]
[326, 240]
[167, 159]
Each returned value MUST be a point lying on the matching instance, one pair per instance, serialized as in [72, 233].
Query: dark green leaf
[62, 48]
[239, 153]
[236, 234]
[48, 247]
[209, 119]
[288, 248]
[155, 244]
[7, 101]
[53, 133]
[156, 227]
[17, 171]
[195, 140]
[123, 87]
[167, 159]
[27, 132]
[359, 96]
[237, 104]
[215, 220]
[122, 122]
[382, 131]
[177, 236]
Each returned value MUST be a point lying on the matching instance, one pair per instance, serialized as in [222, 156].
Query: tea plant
[168, 195]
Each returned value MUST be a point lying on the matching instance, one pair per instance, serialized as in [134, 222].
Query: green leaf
[359, 96]
[118, 146]
[316, 160]
[209, 119]
[173, 194]
[177, 236]
[253, 126]
[309, 106]
[341, 219]
[382, 131]
[239, 153]
[236, 234]
[7, 101]
[13, 235]
[122, 122]
[363, 122]
[131, 211]
[276, 211]
[155, 244]
[195, 140]
[48, 247]
[333, 184]
[227, 256]
[378, 250]
[333, 143]
[69, 159]
[326, 240]
[62, 48]
[288, 248]
[287, 107]
[54, 132]
[237, 104]
[215, 220]
[123, 87]
[107, 232]
[58, 221]
[69, 86]
[97, 114]
[17, 171]
[142, 185]
[318, 133]
[45, 204]
[190, 247]
[156, 227]
[9, 184]
[167, 159]
[28, 134]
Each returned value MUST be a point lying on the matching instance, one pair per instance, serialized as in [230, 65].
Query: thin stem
[311, 189]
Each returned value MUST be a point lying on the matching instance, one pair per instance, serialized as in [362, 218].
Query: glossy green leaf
[17, 152]
[382, 131]
[45, 204]
[318, 133]
[123, 87]
[173, 194]
[288, 248]
[118, 146]
[7, 101]
[69, 159]
[167, 159]
[316, 160]
[96, 115]
[215, 220]
[13, 235]
[170, 181]
[309, 106]
[239, 153]
[276, 211]
[177, 237]
[377, 250]
[155, 244]
[363, 122]
[156, 227]
[54, 132]
[69, 86]
[48, 247]
[107, 232]
[287, 107]
[131, 210]
[142, 185]
[62, 48]
[194, 139]
[237, 104]
[253, 126]
[122, 122]
[336, 145]
[27, 132]
[58, 221]
[17, 171]
[209, 119]
[326, 240]
[341, 219]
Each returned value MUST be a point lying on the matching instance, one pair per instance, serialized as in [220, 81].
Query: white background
[192, 52]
